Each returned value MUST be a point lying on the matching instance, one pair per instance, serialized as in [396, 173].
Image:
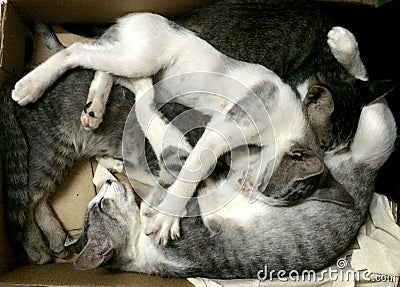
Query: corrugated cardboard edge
[98, 11]
[8, 256]
[12, 42]
[11, 61]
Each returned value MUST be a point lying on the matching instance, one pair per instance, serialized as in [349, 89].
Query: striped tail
[14, 153]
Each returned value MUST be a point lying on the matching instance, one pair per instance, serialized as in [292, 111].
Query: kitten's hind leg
[33, 242]
[51, 228]
[112, 164]
[344, 48]
[169, 144]
[212, 144]
[95, 107]
[139, 46]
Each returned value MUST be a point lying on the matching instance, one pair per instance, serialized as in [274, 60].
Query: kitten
[171, 52]
[272, 33]
[224, 245]
[60, 138]
[39, 146]
[41, 142]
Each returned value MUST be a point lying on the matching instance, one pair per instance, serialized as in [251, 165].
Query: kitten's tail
[14, 154]
[376, 135]
[48, 37]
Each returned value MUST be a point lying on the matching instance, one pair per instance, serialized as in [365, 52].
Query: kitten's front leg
[344, 47]
[112, 164]
[31, 87]
[169, 144]
[166, 215]
[164, 226]
[95, 107]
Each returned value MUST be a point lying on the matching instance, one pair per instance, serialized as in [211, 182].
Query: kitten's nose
[109, 181]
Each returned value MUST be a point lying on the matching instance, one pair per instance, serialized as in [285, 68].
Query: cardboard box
[69, 204]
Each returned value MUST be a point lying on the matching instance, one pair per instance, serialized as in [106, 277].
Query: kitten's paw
[37, 252]
[246, 183]
[60, 253]
[163, 226]
[57, 247]
[110, 163]
[343, 44]
[27, 90]
[91, 116]
[247, 187]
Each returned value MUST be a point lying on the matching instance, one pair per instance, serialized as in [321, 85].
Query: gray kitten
[227, 244]
[183, 63]
[40, 143]
[35, 216]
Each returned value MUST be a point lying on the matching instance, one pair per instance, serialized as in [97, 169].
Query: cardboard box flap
[97, 11]
[12, 42]
[62, 274]
[8, 258]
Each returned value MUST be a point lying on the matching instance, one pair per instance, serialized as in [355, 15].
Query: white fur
[146, 44]
[344, 47]
[99, 90]
[374, 140]
[302, 89]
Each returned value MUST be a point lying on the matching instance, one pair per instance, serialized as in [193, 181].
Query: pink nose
[85, 121]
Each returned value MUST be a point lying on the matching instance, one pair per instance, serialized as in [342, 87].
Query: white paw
[91, 116]
[247, 188]
[163, 226]
[27, 90]
[110, 163]
[246, 184]
[343, 44]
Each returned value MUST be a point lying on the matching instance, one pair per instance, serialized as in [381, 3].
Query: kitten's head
[112, 219]
[302, 176]
[334, 102]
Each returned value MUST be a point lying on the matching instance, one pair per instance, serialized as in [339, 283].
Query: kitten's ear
[375, 90]
[296, 176]
[75, 245]
[301, 164]
[97, 251]
[311, 180]
[337, 195]
[318, 105]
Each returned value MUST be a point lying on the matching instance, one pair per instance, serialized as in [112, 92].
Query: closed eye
[106, 208]
[100, 204]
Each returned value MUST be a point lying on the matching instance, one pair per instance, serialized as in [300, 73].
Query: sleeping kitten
[225, 245]
[288, 37]
[41, 142]
[39, 146]
[59, 138]
[171, 53]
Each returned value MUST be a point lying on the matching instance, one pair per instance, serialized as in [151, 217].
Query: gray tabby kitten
[167, 50]
[39, 146]
[34, 209]
[228, 245]
[289, 38]
[40, 143]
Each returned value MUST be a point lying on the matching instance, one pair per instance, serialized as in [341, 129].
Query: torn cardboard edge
[12, 42]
